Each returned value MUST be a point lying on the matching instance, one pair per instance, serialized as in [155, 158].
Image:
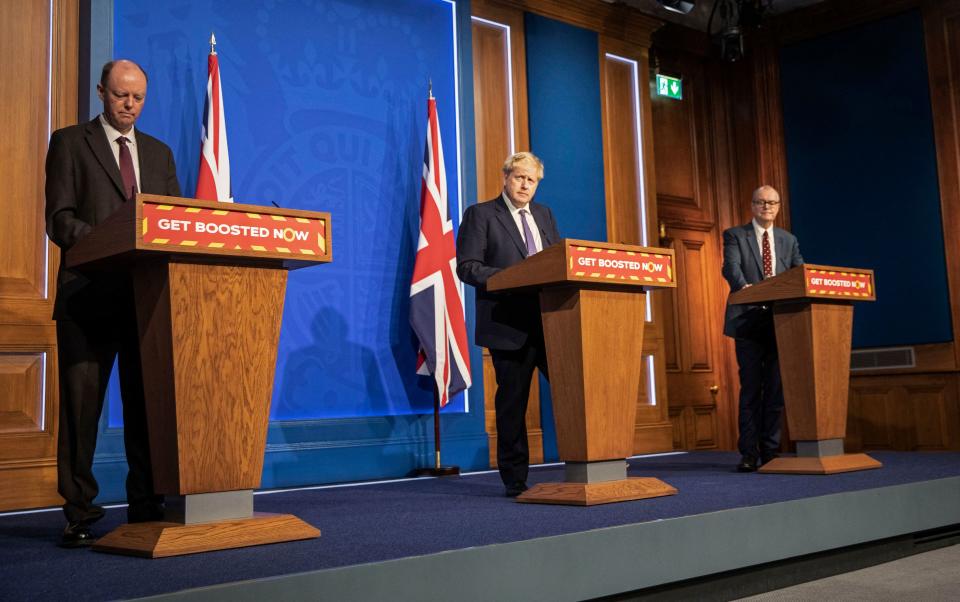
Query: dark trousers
[514, 369]
[761, 394]
[87, 351]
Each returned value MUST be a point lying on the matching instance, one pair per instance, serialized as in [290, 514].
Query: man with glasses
[752, 252]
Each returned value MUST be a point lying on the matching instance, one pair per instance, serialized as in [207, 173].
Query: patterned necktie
[126, 169]
[527, 234]
[767, 259]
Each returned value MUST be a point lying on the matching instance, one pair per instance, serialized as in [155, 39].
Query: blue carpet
[385, 521]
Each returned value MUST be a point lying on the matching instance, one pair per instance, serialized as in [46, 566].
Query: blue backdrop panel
[325, 107]
[863, 173]
[563, 94]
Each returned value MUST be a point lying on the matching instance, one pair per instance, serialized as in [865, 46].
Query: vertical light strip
[43, 390]
[506, 30]
[46, 245]
[50, 70]
[642, 204]
[651, 381]
[459, 170]
[456, 99]
[641, 175]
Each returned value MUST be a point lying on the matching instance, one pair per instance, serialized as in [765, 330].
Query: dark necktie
[126, 169]
[767, 259]
[527, 234]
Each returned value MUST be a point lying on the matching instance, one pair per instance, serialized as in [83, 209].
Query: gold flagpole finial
[213, 43]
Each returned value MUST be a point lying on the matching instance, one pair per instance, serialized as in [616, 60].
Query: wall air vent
[879, 359]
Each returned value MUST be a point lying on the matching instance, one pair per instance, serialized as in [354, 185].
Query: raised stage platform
[460, 539]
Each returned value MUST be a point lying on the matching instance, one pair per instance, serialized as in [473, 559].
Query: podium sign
[593, 263]
[157, 225]
[813, 318]
[833, 283]
[166, 225]
[593, 309]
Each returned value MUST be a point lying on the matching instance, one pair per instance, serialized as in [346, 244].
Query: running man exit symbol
[669, 87]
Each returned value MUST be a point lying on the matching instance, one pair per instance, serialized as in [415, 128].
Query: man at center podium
[495, 235]
[752, 252]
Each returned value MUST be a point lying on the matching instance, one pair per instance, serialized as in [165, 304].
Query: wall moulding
[613, 20]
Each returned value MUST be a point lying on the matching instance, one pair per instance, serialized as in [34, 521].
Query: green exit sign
[671, 87]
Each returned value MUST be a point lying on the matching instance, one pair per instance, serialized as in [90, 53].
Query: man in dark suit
[493, 236]
[751, 253]
[92, 170]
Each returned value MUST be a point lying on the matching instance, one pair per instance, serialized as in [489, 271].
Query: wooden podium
[593, 308]
[813, 318]
[209, 280]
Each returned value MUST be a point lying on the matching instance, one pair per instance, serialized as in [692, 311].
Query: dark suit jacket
[743, 265]
[83, 188]
[488, 242]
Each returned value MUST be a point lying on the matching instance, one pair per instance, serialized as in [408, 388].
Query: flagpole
[434, 193]
[438, 470]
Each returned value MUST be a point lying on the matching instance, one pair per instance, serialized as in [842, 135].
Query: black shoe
[766, 458]
[145, 513]
[515, 489]
[747, 464]
[77, 535]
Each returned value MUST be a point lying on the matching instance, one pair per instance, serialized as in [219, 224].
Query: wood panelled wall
[725, 139]
[38, 93]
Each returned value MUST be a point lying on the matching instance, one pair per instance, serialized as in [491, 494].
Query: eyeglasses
[764, 203]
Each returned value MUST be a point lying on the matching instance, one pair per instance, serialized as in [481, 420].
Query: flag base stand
[438, 471]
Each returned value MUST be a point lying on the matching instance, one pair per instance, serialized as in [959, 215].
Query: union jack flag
[213, 181]
[436, 305]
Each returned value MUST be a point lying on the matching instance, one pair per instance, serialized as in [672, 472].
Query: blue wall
[863, 174]
[326, 110]
[563, 95]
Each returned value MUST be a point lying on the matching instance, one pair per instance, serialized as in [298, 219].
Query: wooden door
[38, 93]
[695, 184]
[692, 333]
